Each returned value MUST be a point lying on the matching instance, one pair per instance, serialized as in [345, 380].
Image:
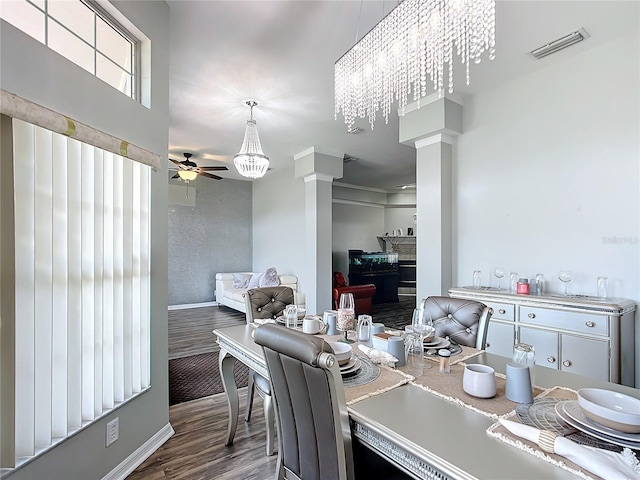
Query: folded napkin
[605, 464]
[262, 321]
[378, 356]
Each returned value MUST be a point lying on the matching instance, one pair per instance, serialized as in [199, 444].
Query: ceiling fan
[188, 170]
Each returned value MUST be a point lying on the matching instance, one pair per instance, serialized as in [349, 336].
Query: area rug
[198, 376]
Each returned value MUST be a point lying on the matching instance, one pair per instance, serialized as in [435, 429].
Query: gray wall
[214, 235]
[32, 71]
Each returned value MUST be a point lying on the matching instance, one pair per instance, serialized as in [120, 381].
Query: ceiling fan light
[250, 161]
[187, 175]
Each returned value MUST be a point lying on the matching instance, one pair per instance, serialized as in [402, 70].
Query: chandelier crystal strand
[250, 161]
[407, 51]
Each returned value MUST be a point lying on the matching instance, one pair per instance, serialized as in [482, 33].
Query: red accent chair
[362, 294]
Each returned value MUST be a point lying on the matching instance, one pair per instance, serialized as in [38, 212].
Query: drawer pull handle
[502, 311]
[551, 359]
[532, 315]
[566, 363]
[590, 324]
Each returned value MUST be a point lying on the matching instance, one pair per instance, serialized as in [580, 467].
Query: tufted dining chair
[314, 434]
[264, 303]
[464, 321]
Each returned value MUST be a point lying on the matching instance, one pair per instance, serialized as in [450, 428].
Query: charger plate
[571, 413]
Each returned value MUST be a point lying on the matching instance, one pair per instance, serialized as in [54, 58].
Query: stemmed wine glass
[423, 326]
[499, 273]
[346, 316]
[565, 277]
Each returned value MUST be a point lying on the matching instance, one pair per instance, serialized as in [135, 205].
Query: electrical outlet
[113, 430]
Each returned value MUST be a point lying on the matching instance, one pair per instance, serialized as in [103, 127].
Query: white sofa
[232, 297]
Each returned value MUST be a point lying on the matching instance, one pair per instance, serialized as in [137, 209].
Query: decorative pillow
[270, 278]
[255, 280]
[241, 280]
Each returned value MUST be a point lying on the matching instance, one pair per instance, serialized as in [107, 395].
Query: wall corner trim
[129, 464]
[439, 138]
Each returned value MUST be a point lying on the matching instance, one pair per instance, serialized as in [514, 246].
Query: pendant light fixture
[250, 161]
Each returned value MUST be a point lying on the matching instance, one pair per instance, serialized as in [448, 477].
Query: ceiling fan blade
[219, 169]
[209, 175]
[176, 176]
[175, 161]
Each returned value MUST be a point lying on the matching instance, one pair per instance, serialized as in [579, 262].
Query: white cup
[312, 325]
[479, 380]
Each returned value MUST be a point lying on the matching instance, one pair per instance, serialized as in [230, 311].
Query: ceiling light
[250, 161]
[355, 130]
[405, 186]
[187, 175]
[415, 40]
[560, 43]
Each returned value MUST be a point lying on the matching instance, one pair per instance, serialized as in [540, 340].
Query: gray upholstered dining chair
[463, 321]
[264, 303]
[314, 435]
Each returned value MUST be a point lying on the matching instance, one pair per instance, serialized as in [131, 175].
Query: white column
[434, 240]
[318, 170]
[431, 129]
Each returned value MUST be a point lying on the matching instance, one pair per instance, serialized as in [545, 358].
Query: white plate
[563, 409]
[349, 364]
[282, 321]
[357, 364]
[573, 410]
[440, 343]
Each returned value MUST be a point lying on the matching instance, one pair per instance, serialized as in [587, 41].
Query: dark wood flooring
[197, 450]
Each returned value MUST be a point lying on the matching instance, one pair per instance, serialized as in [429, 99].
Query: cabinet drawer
[577, 322]
[502, 311]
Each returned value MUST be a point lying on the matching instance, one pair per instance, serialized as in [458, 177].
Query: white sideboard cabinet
[588, 336]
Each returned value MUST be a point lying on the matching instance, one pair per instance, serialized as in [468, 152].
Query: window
[80, 31]
[82, 285]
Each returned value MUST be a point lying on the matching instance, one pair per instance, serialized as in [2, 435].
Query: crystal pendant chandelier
[412, 43]
[250, 161]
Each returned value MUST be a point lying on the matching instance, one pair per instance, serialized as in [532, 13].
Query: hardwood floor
[197, 450]
[190, 329]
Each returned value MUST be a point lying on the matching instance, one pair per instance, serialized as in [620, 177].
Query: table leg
[225, 363]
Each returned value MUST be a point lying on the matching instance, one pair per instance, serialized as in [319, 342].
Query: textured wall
[211, 237]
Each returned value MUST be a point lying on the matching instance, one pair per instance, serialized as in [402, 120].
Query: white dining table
[424, 434]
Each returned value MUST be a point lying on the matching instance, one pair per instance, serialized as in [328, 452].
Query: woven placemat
[501, 433]
[388, 379]
[449, 387]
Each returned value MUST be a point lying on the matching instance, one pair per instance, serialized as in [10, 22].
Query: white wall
[32, 71]
[278, 225]
[548, 169]
[547, 173]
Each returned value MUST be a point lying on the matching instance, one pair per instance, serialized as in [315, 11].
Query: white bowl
[611, 409]
[342, 351]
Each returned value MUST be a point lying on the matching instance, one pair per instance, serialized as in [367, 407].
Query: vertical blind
[82, 279]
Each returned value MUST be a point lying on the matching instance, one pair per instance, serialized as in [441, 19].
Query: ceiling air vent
[560, 43]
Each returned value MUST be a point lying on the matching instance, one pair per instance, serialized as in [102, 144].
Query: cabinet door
[585, 356]
[500, 339]
[545, 343]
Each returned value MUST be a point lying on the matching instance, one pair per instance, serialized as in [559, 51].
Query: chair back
[267, 302]
[463, 321]
[314, 436]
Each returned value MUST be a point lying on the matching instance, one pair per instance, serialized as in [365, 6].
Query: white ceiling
[281, 53]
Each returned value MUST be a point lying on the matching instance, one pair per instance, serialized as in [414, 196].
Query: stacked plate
[437, 342]
[352, 367]
[571, 413]
[283, 321]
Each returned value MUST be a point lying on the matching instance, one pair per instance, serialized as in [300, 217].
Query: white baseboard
[192, 305]
[134, 460]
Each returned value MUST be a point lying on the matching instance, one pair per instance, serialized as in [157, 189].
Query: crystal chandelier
[250, 161]
[413, 42]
